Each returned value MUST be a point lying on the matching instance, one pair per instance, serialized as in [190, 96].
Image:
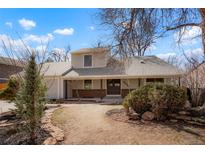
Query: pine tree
[30, 98]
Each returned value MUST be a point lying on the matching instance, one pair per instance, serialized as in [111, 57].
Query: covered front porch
[99, 88]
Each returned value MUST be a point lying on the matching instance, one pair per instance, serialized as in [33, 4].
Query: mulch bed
[121, 116]
[13, 131]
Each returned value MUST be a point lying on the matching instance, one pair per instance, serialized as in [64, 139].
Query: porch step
[112, 100]
[82, 100]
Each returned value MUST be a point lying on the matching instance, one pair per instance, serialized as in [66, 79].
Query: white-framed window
[87, 84]
[88, 60]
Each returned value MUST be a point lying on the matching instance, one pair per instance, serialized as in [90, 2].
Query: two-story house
[93, 73]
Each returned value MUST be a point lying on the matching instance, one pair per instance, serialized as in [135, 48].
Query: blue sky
[77, 27]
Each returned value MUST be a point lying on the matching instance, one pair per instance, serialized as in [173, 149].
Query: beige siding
[77, 60]
[52, 88]
[129, 83]
[104, 84]
[77, 84]
[99, 59]
[96, 84]
[69, 89]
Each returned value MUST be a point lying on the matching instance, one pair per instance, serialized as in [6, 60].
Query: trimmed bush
[157, 98]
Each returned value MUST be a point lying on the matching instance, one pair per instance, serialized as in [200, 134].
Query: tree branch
[183, 25]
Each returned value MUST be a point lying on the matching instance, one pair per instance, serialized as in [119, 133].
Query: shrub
[156, 97]
[137, 99]
[9, 93]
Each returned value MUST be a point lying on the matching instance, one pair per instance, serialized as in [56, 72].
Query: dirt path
[88, 124]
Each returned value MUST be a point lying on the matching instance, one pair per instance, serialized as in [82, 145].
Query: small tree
[31, 97]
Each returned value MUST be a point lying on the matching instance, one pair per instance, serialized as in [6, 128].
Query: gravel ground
[5, 106]
[88, 124]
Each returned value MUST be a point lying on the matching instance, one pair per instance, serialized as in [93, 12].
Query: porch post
[65, 89]
[58, 88]
[101, 86]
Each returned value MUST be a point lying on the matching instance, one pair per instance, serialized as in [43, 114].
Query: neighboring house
[93, 73]
[7, 68]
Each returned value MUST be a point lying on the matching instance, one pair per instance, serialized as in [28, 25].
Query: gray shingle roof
[95, 71]
[55, 68]
[150, 66]
[147, 66]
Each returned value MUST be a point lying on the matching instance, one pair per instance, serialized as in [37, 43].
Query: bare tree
[175, 61]
[20, 53]
[134, 30]
[194, 78]
[60, 55]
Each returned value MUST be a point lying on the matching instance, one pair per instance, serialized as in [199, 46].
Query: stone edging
[56, 133]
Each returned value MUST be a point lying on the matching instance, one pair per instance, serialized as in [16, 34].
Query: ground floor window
[87, 84]
[155, 80]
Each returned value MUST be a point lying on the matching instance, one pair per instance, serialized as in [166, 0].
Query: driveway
[5, 106]
[88, 124]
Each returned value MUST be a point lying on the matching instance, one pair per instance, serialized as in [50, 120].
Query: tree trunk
[33, 137]
[33, 123]
[202, 12]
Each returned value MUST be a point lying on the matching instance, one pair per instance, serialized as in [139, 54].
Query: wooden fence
[3, 85]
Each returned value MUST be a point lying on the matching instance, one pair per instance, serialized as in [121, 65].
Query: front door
[113, 87]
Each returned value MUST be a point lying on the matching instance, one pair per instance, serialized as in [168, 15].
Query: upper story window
[87, 60]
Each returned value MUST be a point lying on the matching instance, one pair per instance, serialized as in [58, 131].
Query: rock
[183, 113]
[149, 116]
[163, 118]
[199, 120]
[173, 120]
[131, 110]
[187, 105]
[50, 141]
[195, 123]
[113, 111]
[134, 116]
[56, 133]
[197, 111]
[145, 122]
[6, 124]
[3, 121]
[183, 117]
[59, 136]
